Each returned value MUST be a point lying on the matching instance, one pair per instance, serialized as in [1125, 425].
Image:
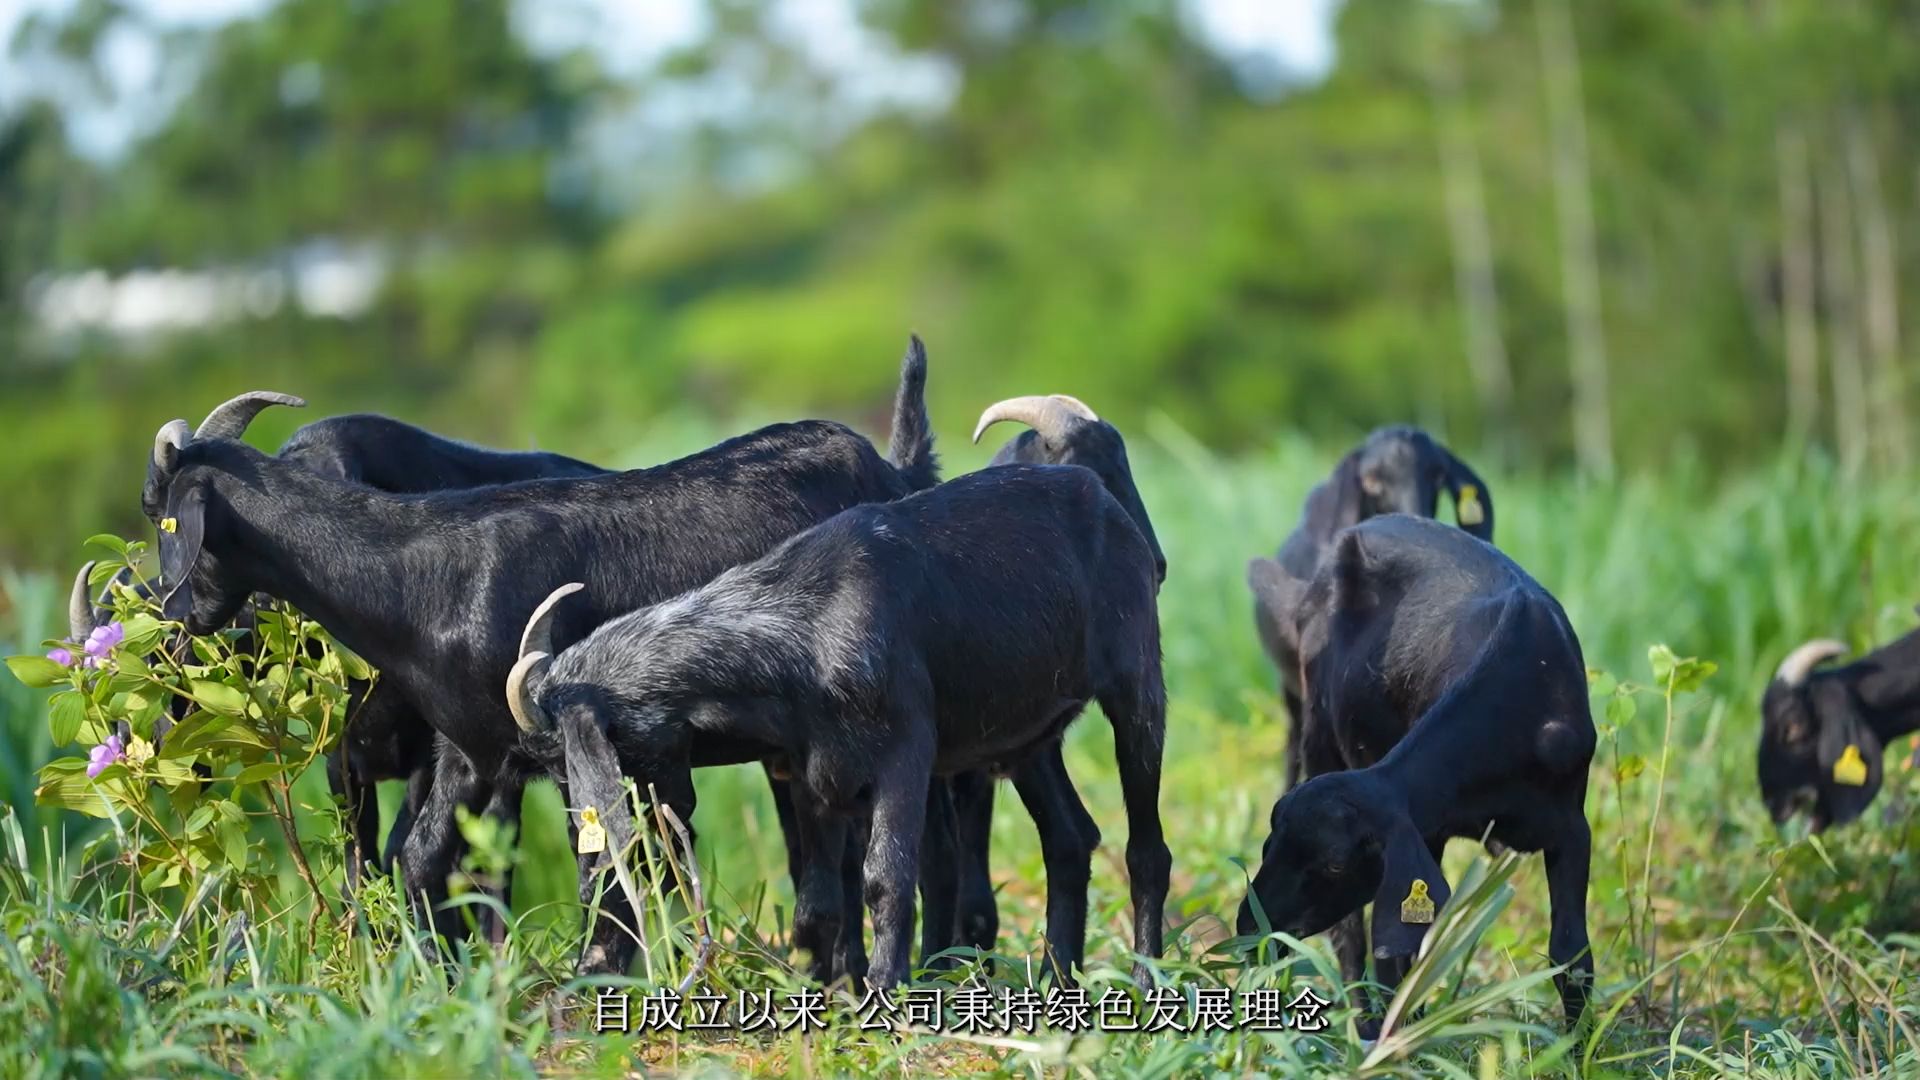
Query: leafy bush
[256, 708]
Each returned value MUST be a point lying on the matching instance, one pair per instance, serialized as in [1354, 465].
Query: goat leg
[434, 845]
[977, 916]
[1139, 717]
[893, 854]
[820, 841]
[1068, 838]
[850, 956]
[419, 786]
[939, 878]
[1567, 866]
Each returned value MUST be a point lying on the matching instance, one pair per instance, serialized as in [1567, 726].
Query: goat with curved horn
[536, 652]
[173, 437]
[80, 620]
[230, 418]
[1800, 662]
[1050, 414]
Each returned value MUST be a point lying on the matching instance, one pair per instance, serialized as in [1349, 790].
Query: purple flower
[103, 755]
[100, 643]
[61, 656]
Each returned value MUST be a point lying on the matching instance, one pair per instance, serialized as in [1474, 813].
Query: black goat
[1445, 697]
[1823, 733]
[1062, 431]
[432, 588]
[389, 740]
[960, 629]
[1397, 470]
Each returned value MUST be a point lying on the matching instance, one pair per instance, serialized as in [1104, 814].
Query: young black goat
[1421, 639]
[1062, 431]
[1823, 733]
[1398, 470]
[962, 628]
[432, 588]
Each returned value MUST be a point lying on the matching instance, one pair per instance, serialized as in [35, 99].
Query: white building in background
[321, 280]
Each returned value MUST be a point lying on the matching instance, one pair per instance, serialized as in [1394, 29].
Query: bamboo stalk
[1800, 323]
[1579, 259]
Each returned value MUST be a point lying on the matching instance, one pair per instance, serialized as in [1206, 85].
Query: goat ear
[1276, 600]
[1410, 896]
[179, 549]
[593, 775]
[1472, 502]
[1851, 766]
[1343, 492]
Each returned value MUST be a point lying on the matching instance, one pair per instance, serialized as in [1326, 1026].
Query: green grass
[1720, 948]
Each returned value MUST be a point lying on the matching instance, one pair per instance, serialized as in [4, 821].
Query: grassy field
[1721, 948]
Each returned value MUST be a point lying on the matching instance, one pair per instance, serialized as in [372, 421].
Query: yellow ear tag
[593, 835]
[1850, 770]
[1418, 906]
[1467, 506]
[168, 525]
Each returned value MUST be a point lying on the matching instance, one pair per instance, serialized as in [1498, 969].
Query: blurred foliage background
[1583, 235]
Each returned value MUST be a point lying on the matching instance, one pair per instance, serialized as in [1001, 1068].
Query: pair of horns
[228, 420]
[536, 652]
[1800, 662]
[1050, 414]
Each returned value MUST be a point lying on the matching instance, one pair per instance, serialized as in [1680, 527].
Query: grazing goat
[1397, 470]
[1062, 431]
[1445, 697]
[1823, 733]
[960, 629]
[431, 589]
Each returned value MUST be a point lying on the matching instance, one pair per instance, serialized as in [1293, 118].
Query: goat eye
[1335, 869]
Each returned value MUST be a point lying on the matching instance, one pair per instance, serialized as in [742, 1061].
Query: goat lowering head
[1336, 844]
[1444, 697]
[1402, 470]
[1066, 432]
[1823, 732]
[174, 499]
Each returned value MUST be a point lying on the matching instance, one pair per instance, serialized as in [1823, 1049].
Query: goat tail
[910, 448]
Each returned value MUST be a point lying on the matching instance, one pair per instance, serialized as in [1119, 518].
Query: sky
[1292, 35]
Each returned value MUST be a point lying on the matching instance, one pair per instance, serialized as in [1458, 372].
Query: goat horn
[80, 605]
[536, 651]
[538, 636]
[1048, 414]
[1076, 405]
[172, 438]
[229, 420]
[1794, 669]
[526, 709]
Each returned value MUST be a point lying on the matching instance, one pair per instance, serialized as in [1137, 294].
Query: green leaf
[36, 671]
[265, 770]
[110, 542]
[233, 840]
[144, 633]
[1630, 766]
[201, 817]
[1662, 660]
[64, 784]
[1600, 683]
[68, 710]
[1691, 673]
[218, 697]
[1620, 710]
[352, 664]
